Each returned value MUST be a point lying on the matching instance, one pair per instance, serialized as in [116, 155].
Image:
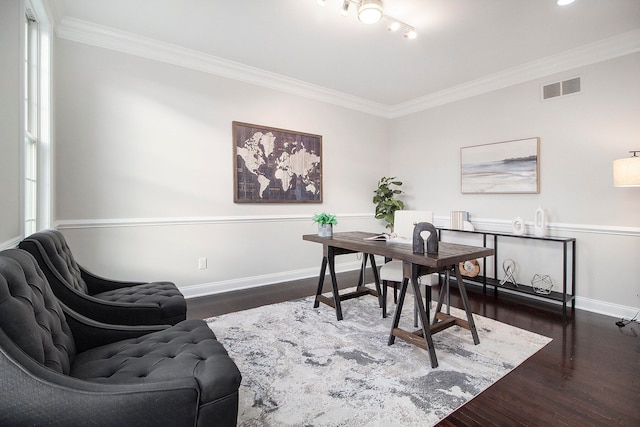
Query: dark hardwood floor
[589, 375]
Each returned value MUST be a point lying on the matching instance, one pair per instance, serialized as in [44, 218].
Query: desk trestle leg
[323, 270]
[465, 303]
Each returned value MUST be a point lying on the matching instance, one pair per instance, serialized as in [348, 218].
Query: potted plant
[384, 198]
[325, 223]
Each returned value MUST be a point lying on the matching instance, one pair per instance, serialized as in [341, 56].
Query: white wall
[149, 144]
[11, 15]
[580, 136]
[144, 171]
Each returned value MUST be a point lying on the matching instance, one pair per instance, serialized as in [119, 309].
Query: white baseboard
[206, 289]
[606, 308]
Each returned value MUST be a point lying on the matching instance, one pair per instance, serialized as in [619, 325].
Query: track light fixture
[371, 12]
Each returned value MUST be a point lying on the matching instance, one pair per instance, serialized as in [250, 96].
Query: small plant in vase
[325, 223]
[384, 198]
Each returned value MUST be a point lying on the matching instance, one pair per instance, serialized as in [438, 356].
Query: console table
[564, 297]
[448, 257]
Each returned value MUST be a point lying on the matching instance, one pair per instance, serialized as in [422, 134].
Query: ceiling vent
[566, 87]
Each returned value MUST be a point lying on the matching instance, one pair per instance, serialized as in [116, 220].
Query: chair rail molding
[481, 224]
[11, 243]
[152, 222]
[505, 226]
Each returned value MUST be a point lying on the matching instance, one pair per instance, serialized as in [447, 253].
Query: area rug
[302, 367]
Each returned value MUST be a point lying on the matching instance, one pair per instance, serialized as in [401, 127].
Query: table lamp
[626, 172]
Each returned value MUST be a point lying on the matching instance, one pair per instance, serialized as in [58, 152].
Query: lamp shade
[370, 11]
[626, 172]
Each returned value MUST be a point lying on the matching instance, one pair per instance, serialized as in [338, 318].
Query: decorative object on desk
[540, 223]
[275, 165]
[542, 284]
[503, 167]
[458, 218]
[383, 237]
[509, 267]
[518, 226]
[385, 200]
[325, 223]
[418, 241]
[467, 226]
[470, 268]
[391, 238]
[626, 172]
[299, 366]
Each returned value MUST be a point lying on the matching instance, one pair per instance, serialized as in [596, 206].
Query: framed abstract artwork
[276, 165]
[501, 167]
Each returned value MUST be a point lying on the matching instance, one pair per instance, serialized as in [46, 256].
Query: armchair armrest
[89, 333]
[122, 313]
[97, 284]
[33, 395]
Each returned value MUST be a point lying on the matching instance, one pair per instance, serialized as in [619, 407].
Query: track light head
[410, 34]
[370, 11]
[345, 8]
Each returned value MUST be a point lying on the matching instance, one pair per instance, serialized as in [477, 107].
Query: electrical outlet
[202, 263]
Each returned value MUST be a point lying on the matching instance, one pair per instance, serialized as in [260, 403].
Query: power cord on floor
[624, 322]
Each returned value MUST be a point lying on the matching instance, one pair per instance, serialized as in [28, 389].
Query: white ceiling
[459, 41]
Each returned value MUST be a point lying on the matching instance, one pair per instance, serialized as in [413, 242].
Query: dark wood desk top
[448, 253]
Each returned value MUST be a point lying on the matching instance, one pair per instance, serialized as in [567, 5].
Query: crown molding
[109, 38]
[603, 50]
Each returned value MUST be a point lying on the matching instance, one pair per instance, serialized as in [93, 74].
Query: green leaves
[384, 198]
[325, 218]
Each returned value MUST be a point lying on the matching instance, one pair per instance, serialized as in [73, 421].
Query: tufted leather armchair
[60, 368]
[109, 301]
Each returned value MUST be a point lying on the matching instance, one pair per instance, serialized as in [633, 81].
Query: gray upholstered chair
[60, 368]
[104, 300]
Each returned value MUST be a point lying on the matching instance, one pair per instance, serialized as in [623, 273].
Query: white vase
[518, 226]
[325, 230]
[540, 223]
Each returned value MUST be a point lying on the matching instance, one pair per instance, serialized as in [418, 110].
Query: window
[36, 100]
[31, 130]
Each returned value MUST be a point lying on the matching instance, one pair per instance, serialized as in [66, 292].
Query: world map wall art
[275, 165]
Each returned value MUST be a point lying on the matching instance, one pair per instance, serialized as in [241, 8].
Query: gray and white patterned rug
[302, 367]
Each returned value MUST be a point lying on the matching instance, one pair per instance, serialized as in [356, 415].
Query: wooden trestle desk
[414, 265]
